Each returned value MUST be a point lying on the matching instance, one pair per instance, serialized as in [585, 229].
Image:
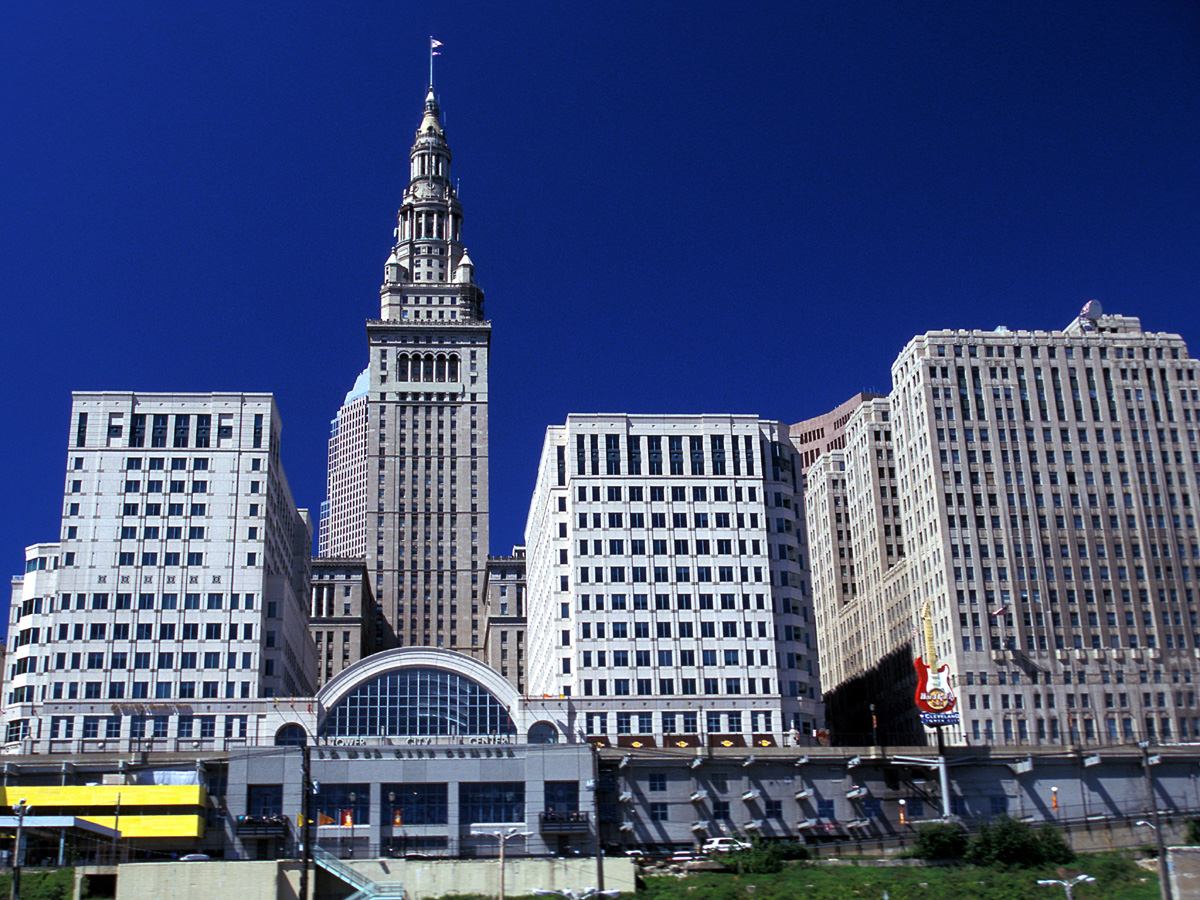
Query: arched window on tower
[428, 374]
[441, 368]
[452, 371]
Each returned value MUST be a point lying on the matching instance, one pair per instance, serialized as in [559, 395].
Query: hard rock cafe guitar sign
[934, 697]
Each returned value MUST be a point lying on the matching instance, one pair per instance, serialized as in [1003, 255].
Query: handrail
[366, 888]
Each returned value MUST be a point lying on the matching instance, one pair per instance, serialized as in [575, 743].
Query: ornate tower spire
[428, 248]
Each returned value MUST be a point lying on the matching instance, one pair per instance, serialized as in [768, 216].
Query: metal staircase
[366, 889]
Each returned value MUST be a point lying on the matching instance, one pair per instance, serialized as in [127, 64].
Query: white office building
[668, 583]
[179, 581]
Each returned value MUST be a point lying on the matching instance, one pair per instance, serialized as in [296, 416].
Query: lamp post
[503, 835]
[1054, 801]
[1067, 886]
[20, 810]
[353, 797]
[874, 728]
[903, 812]
[392, 818]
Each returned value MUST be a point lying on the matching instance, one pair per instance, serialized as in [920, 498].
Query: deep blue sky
[672, 206]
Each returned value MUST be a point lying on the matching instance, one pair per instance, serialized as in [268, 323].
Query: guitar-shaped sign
[934, 696]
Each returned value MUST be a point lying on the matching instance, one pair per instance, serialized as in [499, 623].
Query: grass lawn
[1117, 879]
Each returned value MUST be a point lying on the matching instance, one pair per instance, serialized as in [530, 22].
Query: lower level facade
[417, 753]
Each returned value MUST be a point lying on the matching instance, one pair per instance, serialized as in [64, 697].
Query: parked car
[195, 857]
[723, 845]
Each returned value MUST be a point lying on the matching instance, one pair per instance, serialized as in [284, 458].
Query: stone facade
[1046, 485]
[180, 580]
[668, 582]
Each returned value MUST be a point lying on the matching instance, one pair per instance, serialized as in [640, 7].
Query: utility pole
[116, 847]
[305, 819]
[20, 810]
[1164, 870]
[596, 815]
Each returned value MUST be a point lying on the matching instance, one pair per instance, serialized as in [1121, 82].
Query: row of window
[659, 520]
[587, 448]
[668, 574]
[687, 658]
[203, 727]
[645, 687]
[683, 723]
[159, 423]
[142, 690]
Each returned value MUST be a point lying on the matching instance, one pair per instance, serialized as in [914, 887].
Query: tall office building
[179, 583]
[343, 523]
[1036, 492]
[667, 581]
[413, 488]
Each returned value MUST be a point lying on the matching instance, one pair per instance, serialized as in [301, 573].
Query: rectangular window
[491, 802]
[675, 447]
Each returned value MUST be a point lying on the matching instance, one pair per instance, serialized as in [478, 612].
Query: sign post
[935, 699]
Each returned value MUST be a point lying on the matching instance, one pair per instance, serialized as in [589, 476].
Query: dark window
[415, 804]
[492, 801]
[264, 800]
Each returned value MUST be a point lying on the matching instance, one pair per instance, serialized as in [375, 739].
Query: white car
[723, 845]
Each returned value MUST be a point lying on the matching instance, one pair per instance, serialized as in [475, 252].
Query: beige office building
[1038, 491]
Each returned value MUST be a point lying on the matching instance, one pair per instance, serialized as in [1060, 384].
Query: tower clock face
[428, 189]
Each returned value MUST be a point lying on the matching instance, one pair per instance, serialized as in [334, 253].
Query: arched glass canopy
[418, 701]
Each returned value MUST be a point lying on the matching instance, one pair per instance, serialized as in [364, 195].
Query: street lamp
[503, 835]
[1054, 800]
[903, 811]
[587, 893]
[1067, 886]
[353, 797]
[20, 810]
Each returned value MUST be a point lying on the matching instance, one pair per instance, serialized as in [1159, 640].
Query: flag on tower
[433, 45]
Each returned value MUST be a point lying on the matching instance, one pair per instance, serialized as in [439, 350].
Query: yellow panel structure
[105, 795]
[86, 800]
[153, 826]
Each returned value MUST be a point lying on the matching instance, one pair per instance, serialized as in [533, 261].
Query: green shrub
[1111, 868]
[1193, 831]
[761, 858]
[58, 884]
[791, 850]
[940, 840]
[1009, 842]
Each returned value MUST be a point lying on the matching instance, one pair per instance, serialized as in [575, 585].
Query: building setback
[1046, 484]
[343, 617]
[179, 581]
[667, 581]
[506, 622]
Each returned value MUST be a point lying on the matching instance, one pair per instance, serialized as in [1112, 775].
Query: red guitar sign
[934, 696]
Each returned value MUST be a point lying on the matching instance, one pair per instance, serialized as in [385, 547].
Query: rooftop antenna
[433, 51]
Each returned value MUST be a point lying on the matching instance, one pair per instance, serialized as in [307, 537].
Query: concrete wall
[435, 878]
[269, 880]
[1184, 865]
[265, 880]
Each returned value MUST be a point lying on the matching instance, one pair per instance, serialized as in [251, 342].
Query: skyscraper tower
[426, 507]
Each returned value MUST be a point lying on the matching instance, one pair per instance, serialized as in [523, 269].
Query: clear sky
[672, 206]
